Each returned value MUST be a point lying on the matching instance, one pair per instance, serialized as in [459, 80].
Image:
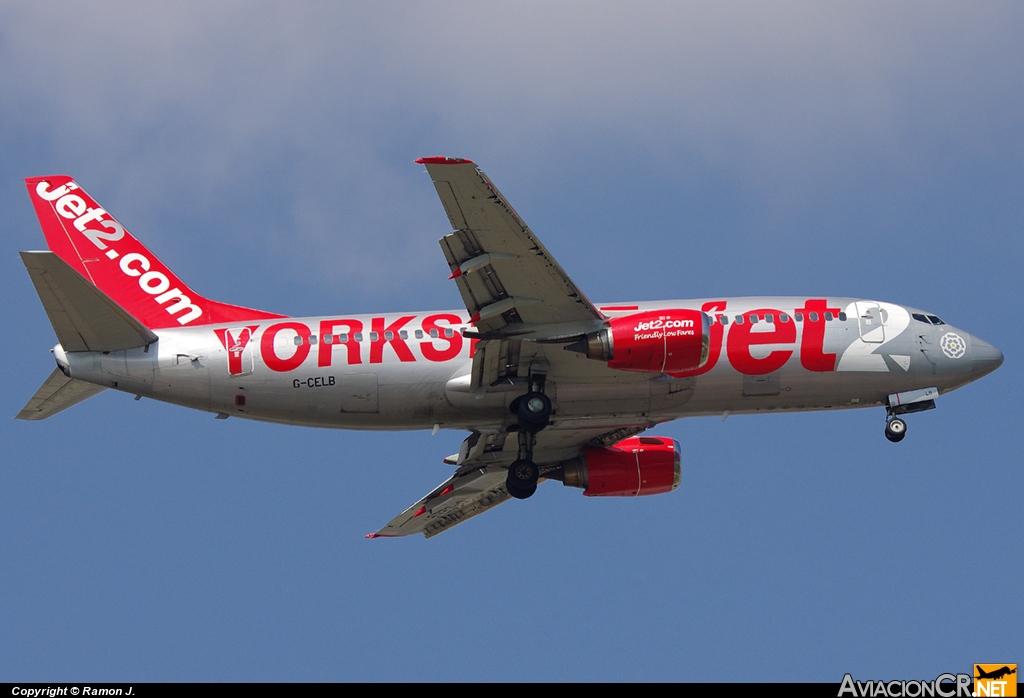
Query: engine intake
[639, 465]
[654, 341]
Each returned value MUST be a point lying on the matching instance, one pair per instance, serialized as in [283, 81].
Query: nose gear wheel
[895, 429]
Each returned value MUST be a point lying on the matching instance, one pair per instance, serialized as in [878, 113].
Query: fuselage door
[240, 350]
[869, 320]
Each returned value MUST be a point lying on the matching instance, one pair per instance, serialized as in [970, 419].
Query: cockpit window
[929, 319]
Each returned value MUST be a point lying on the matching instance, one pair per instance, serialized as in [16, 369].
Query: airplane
[995, 674]
[549, 385]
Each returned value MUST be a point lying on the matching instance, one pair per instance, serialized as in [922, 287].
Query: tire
[521, 481]
[533, 412]
[895, 430]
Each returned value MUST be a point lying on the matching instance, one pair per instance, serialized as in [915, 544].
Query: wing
[469, 492]
[504, 273]
[512, 287]
[479, 482]
[523, 305]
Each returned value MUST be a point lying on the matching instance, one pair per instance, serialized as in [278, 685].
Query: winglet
[442, 160]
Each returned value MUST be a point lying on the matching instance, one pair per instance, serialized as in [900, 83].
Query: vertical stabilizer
[96, 246]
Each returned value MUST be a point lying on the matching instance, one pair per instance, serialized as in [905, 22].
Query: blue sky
[659, 151]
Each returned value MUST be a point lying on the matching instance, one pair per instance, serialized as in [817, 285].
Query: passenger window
[343, 337]
[828, 316]
[799, 317]
[842, 317]
[739, 319]
[298, 341]
[433, 333]
[812, 317]
[328, 339]
[373, 336]
[403, 334]
[783, 317]
[753, 319]
[449, 332]
[419, 334]
[312, 339]
[389, 335]
[359, 336]
[724, 319]
[769, 317]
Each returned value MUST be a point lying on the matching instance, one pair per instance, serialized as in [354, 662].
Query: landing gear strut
[533, 412]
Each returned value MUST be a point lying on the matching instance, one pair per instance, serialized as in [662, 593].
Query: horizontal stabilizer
[84, 318]
[57, 394]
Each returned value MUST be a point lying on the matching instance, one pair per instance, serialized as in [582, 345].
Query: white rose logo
[953, 345]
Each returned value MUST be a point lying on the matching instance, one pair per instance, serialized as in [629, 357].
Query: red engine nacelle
[633, 467]
[654, 341]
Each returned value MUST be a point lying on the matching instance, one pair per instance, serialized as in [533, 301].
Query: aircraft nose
[985, 356]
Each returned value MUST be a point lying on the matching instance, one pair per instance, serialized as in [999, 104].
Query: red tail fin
[100, 249]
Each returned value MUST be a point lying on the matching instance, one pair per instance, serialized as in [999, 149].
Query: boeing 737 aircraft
[549, 385]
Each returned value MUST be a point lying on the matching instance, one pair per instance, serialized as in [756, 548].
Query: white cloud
[215, 102]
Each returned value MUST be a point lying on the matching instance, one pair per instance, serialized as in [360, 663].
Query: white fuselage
[411, 370]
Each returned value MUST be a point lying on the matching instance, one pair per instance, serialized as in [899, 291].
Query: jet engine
[633, 467]
[654, 341]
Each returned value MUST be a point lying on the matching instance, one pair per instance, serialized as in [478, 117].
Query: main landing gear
[533, 411]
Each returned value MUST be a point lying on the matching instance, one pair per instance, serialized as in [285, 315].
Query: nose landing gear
[908, 402]
[895, 429]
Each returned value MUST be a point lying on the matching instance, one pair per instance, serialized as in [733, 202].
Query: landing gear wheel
[533, 412]
[895, 429]
[521, 482]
